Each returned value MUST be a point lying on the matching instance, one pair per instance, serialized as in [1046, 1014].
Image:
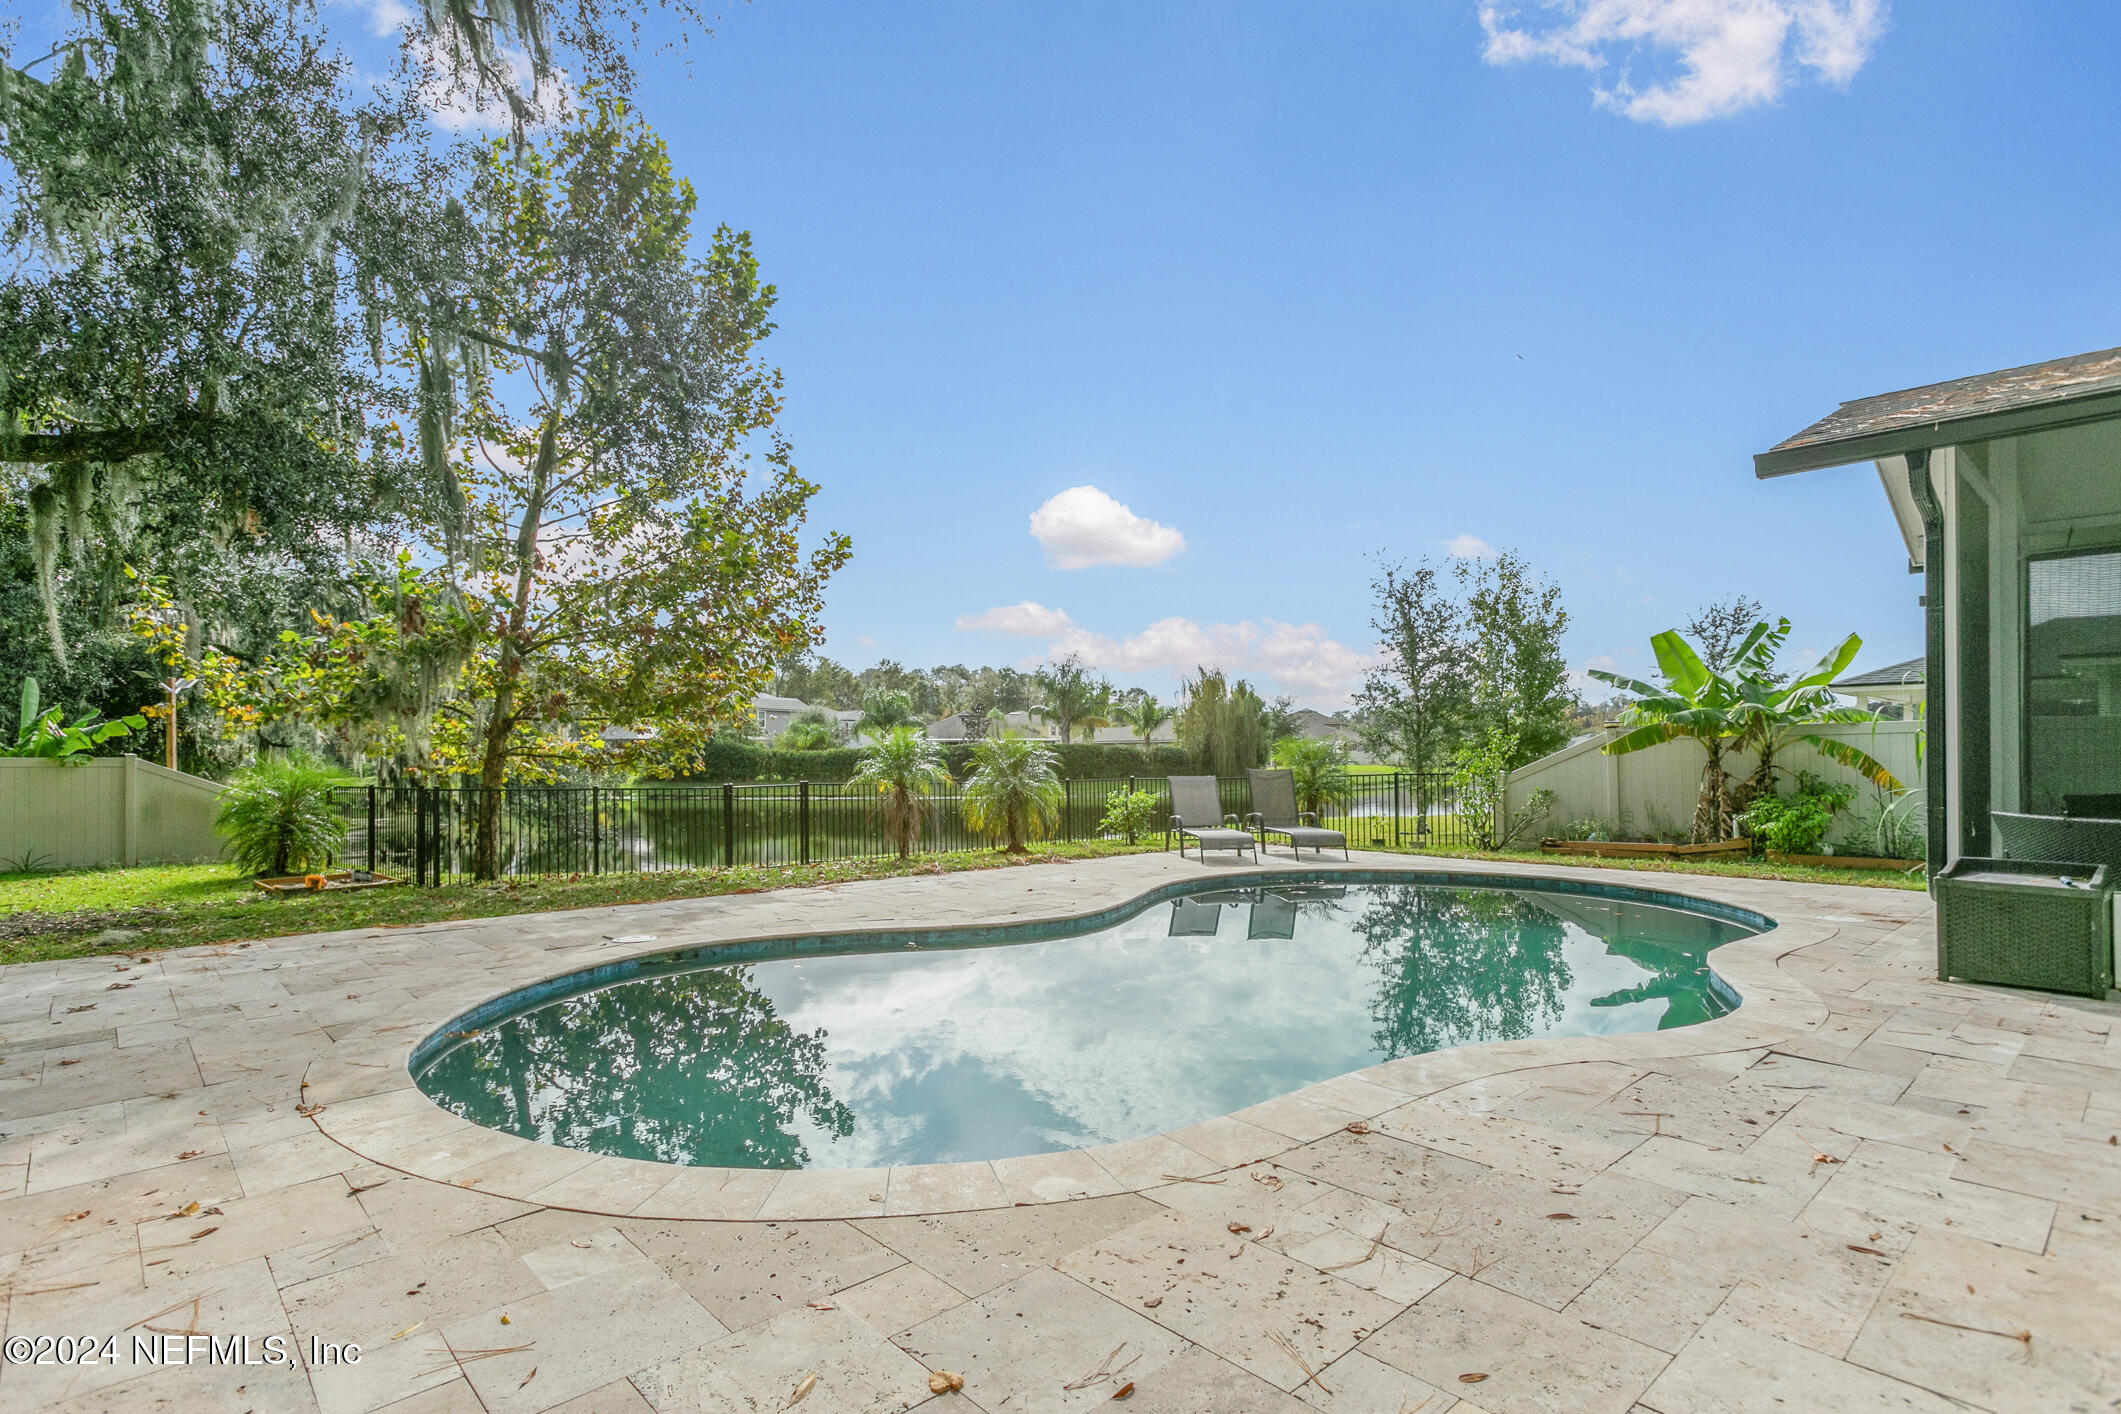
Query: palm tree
[1320, 767]
[883, 713]
[1143, 718]
[1737, 706]
[1013, 793]
[1072, 697]
[904, 768]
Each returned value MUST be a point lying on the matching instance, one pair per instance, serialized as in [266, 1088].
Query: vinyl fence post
[596, 830]
[802, 817]
[728, 823]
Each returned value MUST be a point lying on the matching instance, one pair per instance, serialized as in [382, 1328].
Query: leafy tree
[1223, 724]
[1480, 775]
[278, 816]
[904, 768]
[811, 729]
[1780, 712]
[624, 571]
[1717, 628]
[1013, 794]
[1320, 770]
[1071, 697]
[208, 234]
[1144, 717]
[1520, 682]
[1415, 704]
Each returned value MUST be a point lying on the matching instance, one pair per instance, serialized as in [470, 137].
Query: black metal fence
[429, 833]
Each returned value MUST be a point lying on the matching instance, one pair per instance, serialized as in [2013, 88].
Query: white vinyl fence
[1655, 790]
[109, 810]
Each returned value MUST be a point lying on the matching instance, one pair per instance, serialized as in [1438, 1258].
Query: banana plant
[47, 736]
[1739, 707]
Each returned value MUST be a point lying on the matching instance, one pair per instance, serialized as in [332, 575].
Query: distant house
[775, 713]
[1165, 734]
[964, 726]
[1894, 692]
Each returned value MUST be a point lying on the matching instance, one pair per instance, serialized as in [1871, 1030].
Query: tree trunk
[1713, 814]
[500, 723]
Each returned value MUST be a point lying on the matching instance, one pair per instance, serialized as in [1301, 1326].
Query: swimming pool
[929, 1046]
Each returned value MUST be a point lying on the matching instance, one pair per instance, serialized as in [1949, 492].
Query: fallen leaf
[1268, 1179]
[1824, 1159]
[307, 1110]
[822, 1306]
[1562, 1217]
[1358, 1128]
[205, 1232]
[1240, 1227]
[529, 1377]
[505, 1321]
[1124, 1390]
[409, 1330]
[1471, 1379]
[944, 1381]
[75, 1217]
[1153, 1302]
[189, 1154]
[1866, 1251]
[802, 1391]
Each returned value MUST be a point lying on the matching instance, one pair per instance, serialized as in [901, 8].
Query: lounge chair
[1195, 802]
[1273, 917]
[1191, 918]
[1274, 812]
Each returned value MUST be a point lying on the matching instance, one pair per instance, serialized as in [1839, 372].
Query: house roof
[2082, 388]
[1906, 674]
[767, 702]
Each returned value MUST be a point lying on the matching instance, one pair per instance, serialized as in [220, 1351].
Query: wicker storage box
[2016, 923]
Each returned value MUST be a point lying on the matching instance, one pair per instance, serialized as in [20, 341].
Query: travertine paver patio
[1863, 1190]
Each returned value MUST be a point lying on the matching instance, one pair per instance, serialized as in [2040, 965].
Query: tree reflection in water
[695, 1069]
[1463, 965]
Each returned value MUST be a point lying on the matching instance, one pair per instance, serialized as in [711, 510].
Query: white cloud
[1300, 659]
[386, 16]
[1719, 57]
[1082, 527]
[1468, 547]
[1025, 620]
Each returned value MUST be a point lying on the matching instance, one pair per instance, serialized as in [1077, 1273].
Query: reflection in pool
[1189, 1009]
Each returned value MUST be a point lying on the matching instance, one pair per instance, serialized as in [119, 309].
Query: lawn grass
[86, 912]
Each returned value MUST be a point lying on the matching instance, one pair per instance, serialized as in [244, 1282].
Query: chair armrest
[1229, 818]
[1255, 821]
[1178, 822]
[1311, 815]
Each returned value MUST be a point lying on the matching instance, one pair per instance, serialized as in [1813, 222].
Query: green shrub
[278, 817]
[1013, 794]
[1319, 768]
[1796, 823]
[1130, 813]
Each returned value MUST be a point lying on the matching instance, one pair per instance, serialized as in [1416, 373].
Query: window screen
[2073, 678]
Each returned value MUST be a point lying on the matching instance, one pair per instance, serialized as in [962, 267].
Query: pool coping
[363, 1096]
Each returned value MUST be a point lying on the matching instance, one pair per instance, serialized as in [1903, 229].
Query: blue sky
[1298, 285]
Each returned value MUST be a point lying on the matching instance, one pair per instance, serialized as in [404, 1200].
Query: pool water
[868, 1051]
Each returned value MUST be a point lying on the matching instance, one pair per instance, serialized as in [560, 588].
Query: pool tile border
[369, 1103]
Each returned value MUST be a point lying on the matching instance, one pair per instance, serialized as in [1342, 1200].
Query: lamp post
[173, 686]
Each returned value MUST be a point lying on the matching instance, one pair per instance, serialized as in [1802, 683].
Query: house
[2007, 490]
[1895, 692]
[775, 713]
[964, 726]
[1165, 734]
